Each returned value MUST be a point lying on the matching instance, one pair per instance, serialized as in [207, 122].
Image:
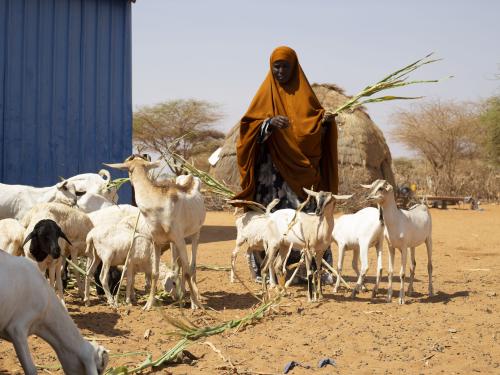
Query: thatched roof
[363, 152]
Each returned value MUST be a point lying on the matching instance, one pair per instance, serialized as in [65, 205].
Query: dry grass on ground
[455, 332]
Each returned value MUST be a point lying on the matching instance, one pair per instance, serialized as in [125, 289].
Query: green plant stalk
[189, 334]
[391, 81]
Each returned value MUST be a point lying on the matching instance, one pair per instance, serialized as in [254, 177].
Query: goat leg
[20, 342]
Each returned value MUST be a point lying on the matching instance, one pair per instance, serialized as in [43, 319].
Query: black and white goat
[44, 248]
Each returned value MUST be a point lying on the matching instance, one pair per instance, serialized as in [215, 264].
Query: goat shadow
[220, 300]
[439, 297]
[100, 322]
[216, 233]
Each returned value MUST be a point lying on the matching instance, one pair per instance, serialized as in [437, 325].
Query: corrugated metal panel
[65, 88]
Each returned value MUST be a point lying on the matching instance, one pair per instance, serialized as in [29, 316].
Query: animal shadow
[99, 322]
[441, 297]
[216, 233]
[219, 300]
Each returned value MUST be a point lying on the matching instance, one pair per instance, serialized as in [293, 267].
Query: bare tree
[443, 134]
[490, 119]
[183, 126]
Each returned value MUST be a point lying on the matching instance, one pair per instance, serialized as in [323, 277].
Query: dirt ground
[455, 332]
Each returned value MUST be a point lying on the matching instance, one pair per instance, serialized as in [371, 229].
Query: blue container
[65, 88]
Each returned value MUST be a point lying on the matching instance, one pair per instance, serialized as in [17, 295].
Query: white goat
[311, 232]
[174, 211]
[97, 183]
[90, 202]
[17, 200]
[258, 232]
[74, 223]
[11, 236]
[112, 215]
[30, 307]
[403, 229]
[111, 244]
[359, 232]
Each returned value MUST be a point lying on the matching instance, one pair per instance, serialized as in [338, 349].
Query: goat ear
[154, 164]
[62, 235]
[342, 197]
[30, 237]
[310, 192]
[121, 166]
[62, 184]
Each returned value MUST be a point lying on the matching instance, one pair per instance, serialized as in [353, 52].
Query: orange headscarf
[299, 153]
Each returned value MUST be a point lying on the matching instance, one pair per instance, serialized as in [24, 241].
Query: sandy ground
[455, 332]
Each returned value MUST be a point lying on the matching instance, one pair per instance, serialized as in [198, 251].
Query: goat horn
[121, 166]
[62, 235]
[310, 192]
[342, 197]
[30, 236]
[271, 205]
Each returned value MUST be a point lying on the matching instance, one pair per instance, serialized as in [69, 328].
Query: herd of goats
[79, 218]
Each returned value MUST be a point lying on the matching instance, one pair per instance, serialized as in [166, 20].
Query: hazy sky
[219, 50]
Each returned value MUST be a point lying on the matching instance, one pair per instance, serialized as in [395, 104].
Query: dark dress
[270, 185]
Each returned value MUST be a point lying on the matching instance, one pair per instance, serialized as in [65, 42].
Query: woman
[286, 141]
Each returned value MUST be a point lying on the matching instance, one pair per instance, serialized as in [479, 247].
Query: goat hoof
[389, 299]
[401, 301]
[353, 293]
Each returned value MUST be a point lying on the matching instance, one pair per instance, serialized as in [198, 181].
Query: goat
[111, 244]
[11, 236]
[403, 229]
[30, 307]
[258, 231]
[90, 202]
[174, 211]
[44, 248]
[358, 232]
[17, 200]
[311, 232]
[97, 183]
[74, 223]
[106, 217]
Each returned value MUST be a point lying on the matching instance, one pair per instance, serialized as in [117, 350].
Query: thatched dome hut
[363, 152]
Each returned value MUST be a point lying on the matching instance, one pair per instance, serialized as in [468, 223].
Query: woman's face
[282, 71]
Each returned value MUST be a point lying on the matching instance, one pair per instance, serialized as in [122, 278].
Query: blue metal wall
[65, 88]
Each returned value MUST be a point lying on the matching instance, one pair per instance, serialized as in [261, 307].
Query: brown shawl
[299, 153]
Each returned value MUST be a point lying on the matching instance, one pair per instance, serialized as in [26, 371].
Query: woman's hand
[279, 122]
[329, 117]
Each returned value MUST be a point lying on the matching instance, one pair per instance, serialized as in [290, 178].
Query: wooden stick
[332, 270]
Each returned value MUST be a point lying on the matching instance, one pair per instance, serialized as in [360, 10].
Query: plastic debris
[290, 365]
[325, 362]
